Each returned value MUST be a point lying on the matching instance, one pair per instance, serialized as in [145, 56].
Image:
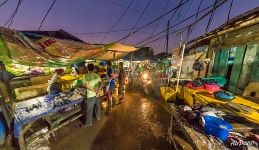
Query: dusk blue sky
[84, 16]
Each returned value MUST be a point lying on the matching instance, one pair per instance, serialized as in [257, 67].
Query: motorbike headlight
[145, 76]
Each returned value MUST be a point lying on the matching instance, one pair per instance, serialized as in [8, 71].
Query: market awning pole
[114, 55]
[131, 59]
[180, 69]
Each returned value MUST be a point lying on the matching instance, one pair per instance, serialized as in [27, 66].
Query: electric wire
[223, 1]
[132, 9]
[11, 18]
[176, 11]
[3, 3]
[192, 27]
[46, 14]
[229, 11]
[163, 36]
[101, 32]
[197, 14]
[228, 17]
[211, 17]
[117, 22]
[154, 30]
[187, 9]
[183, 15]
[139, 18]
[151, 22]
[186, 27]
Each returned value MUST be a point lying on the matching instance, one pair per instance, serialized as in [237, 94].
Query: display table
[24, 119]
[183, 135]
[204, 97]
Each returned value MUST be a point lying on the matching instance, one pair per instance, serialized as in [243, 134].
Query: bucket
[217, 127]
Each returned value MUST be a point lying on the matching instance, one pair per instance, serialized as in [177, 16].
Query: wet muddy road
[138, 124]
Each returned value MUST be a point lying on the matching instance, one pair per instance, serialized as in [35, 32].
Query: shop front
[226, 96]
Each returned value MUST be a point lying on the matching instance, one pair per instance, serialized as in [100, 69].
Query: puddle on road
[148, 124]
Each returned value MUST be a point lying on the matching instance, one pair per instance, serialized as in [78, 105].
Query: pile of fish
[39, 105]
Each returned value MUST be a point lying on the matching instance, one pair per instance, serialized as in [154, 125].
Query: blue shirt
[112, 82]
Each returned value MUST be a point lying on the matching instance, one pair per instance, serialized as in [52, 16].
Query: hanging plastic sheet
[34, 49]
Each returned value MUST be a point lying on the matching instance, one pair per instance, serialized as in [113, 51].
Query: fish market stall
[27, 106]
[28, 112]
[26, 103]
[191, 130]
[209, 117]
[209, 112]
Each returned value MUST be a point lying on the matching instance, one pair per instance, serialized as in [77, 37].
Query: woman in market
[92, 82]
[55, 82]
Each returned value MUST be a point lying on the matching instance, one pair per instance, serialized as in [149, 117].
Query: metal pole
[114, 55]
[180, 69]
[131, 60]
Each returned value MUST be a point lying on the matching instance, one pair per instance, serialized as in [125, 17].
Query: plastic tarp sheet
[34, 49]
[196, 137]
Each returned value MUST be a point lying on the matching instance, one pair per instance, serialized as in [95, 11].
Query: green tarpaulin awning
[35, 49]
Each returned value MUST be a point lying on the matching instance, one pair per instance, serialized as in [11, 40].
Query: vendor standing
[121, 79]
[110, 74]
[92, 82]
[55, 85]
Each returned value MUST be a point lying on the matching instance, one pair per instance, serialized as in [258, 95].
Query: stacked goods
[224, 95]
[196, 85]
[207, 85]
[23, 93]
[211, 86]
[36, 72]
[40, 80]
[13, 71]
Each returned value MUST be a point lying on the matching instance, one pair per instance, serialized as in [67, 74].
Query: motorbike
[146, 82]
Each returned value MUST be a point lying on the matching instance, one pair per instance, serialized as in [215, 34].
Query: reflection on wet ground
[139, 123]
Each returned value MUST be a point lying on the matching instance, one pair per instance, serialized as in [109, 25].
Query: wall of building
[245, 64]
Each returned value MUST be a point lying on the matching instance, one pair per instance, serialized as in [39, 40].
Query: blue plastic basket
[217, 127]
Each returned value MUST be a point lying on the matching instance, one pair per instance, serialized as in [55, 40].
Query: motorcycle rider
[146, 79]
